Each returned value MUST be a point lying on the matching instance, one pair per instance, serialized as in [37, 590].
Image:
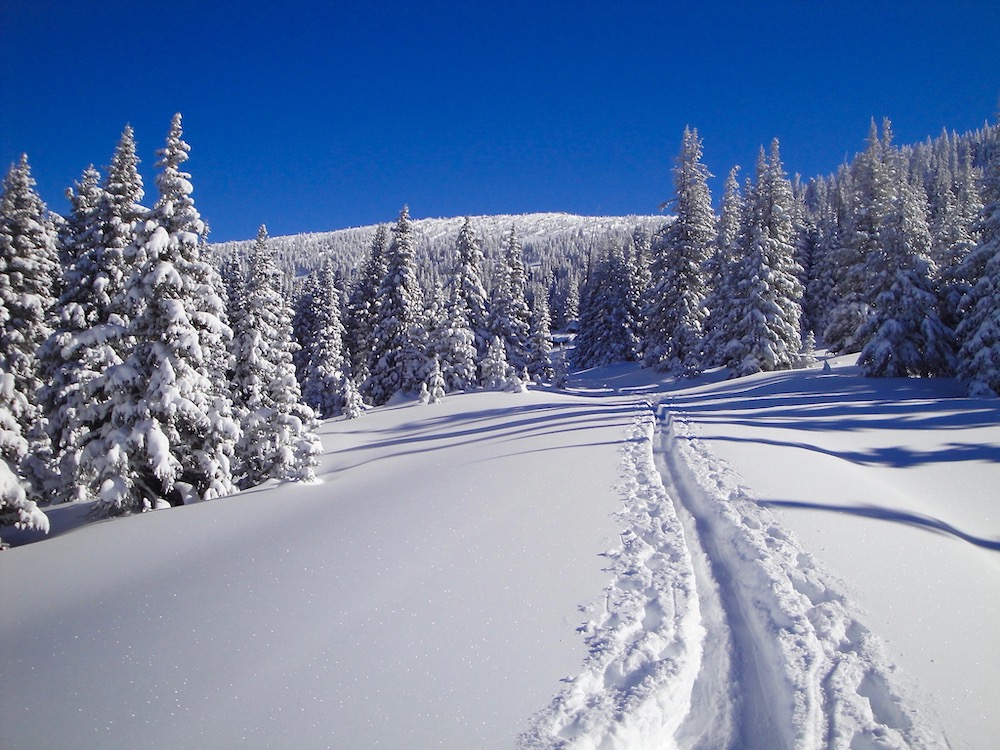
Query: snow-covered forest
[142, 367]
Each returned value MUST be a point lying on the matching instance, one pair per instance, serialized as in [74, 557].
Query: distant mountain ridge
[556, 239]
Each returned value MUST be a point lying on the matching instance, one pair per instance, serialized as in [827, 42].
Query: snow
[801, 559]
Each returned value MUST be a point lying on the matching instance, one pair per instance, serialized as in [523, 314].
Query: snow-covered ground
[806, 559]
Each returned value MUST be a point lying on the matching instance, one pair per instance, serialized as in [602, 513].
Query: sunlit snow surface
[802, 559]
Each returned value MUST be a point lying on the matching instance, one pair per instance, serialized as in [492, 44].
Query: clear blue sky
[316, 116]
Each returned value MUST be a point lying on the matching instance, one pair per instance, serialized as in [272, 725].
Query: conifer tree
[497, 373]
[904, 334]
[363, 306]
[609, 314]
[397, 362]
[468, 291]
[540, 342]
[720, 273]
[510, 317]
[16, 509]
[277, 431]
[29, 266]
[676, 312]
[451, 341]
[767, 335]
[871, 195]
[978, 332]
[322, 359]
[170, 434]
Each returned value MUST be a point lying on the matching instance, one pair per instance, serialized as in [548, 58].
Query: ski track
[718, 630]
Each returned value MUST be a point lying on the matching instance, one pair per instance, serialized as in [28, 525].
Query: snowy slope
[789, 560]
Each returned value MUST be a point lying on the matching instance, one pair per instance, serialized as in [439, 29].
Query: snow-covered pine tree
[397, 362]
[510, 317]
[29, 267]
[363, 306]
[953, 233]
[171, 433]
[609, 314]
[323, 362]
[15, 507]
[675, 310]
[451, 341]
[720, 273]
[767, 335]
[278, 438]
[74, 354]
[871, 194]
[979, 330]
[540, 341]
[467, 285]
[904, 334]
[497, 373]
[432, 389]
[354, 404]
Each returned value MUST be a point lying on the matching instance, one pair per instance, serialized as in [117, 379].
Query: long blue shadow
[885, 514]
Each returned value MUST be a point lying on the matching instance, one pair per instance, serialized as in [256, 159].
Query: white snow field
[805, 559]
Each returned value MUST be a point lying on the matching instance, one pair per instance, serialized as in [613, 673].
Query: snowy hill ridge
[543, 236]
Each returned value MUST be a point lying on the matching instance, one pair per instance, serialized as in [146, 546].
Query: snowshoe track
[718, 631]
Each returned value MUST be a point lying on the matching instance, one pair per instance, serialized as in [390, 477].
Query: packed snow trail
[719, 631]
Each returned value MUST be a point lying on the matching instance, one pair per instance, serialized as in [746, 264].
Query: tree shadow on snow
[887, 514]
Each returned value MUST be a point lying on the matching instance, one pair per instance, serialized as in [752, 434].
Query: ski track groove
[718, 630]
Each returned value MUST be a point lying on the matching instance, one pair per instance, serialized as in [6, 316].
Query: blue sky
[316, 116]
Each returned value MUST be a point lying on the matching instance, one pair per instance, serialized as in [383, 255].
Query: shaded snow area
[790, 560]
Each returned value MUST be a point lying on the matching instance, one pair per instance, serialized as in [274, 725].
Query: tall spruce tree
[720, 271]
[397, 362]
[510, 317]
[978, 332]
[323, 364]
[767, 335]
[170, 434]
[29, 266]
[904, 334]
[16, 509]
[675, 310]
[277, 431]
[467, 285]
[363, 305]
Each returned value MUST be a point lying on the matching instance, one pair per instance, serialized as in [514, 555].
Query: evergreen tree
[451, 341]
[871, 196]
[497, 373]
[432, 390]
[767, 335]
[510, 317]
[720, 272]
[540, 342]
[170, 435]
[323, 363]
[363, 306]
[354, 404]
[73, 356]
[904, 333]
[609, 315]
[979, 330]
[29, 265]
[676, 312]
[15, 507]
[468, 291]
[397, 362]
[277, 431]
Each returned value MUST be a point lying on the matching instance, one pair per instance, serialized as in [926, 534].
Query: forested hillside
[141, 367]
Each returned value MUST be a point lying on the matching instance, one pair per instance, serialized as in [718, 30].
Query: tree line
[138, 372]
